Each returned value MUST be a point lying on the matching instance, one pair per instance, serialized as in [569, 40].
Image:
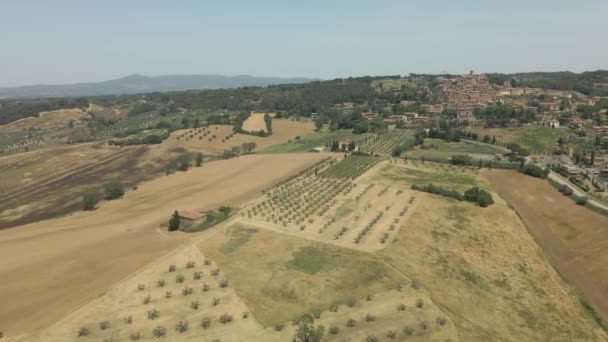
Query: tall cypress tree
[174, 222]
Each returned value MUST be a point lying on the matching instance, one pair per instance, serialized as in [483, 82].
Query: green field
[310, 141]
[437, 148]
[534, 138]
[441, 175]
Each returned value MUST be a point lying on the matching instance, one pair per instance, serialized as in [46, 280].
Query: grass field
[534, 138]
[405, 175]
[442, 149]
[572, 236]
[281, 277]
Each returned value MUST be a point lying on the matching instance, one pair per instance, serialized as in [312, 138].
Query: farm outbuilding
[190, 215]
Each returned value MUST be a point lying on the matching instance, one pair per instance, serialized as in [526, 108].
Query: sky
[67, 41]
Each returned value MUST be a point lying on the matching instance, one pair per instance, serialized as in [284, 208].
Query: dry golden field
[346, 244]
[573, 237]
[93, 250]
[57, 119]
[255, 123]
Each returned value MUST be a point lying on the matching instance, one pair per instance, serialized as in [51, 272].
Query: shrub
[194, 305]
[401, 307]
[147, 299]
[215, 301]
[535, 171]
[186, 291]
[206, 323]
[104, 325]
[566, 190]
[479, 196]
[333, 330]
[181, 327]
[179, 279]
[113, 190]
[279, 326]
[407, 331]
[135, 336]
[83, 331]
[391, 334]
[153, 314]
[441, 321]
[351, 302]
[90, 200]
[168, 294]
[419, 303]
[205, 287]
[581, 200]
[224, 283]
[424, 325]
[351, 323]
[225, 318]
[371, 338]
[197, 275]
[245, 315]
[141, 287]
[370, 318]
[160, 283]
[333, 308]
[190, 264]
[128, 320]
[159, 332]
[215, 272]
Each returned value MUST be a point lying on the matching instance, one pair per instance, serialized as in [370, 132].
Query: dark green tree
[307, 331]
[198, 160]
[90, 200]
[114, 190]
[174, 222]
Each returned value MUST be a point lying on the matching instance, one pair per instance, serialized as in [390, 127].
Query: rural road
[577, 191]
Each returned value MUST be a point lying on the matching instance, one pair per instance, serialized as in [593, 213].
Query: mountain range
[135, 84]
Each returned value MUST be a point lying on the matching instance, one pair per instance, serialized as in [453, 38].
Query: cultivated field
[404, 174]
[215, 139]
[93, 250]
[383, 144]
[436, 148]
[534, 138]
[46, 183]
[255, 123]
[572, 236]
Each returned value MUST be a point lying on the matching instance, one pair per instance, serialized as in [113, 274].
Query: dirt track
[51, 267]
[574, 238]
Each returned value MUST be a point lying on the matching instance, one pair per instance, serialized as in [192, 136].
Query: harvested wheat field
[255, 123]
[574, 237]
[61, 263]
[215, 139]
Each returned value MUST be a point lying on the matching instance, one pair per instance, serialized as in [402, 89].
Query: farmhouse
[190, 215]
[550, 106]
[410, 116]
[465, 114]
[432, 109]
[601, 130]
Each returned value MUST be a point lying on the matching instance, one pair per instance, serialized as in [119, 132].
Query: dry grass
[94, 250]
[482, 266]
[572, 236]
[255, 123]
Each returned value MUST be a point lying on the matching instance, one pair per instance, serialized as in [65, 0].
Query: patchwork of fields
[343, 239]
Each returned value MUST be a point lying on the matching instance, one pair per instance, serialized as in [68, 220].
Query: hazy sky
[63, 41]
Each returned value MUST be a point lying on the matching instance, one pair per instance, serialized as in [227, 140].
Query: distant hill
[135, 84]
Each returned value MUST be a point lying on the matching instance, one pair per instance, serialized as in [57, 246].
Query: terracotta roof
[190, 214]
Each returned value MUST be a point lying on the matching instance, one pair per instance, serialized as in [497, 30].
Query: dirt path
[58, 264]
[574, 238]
